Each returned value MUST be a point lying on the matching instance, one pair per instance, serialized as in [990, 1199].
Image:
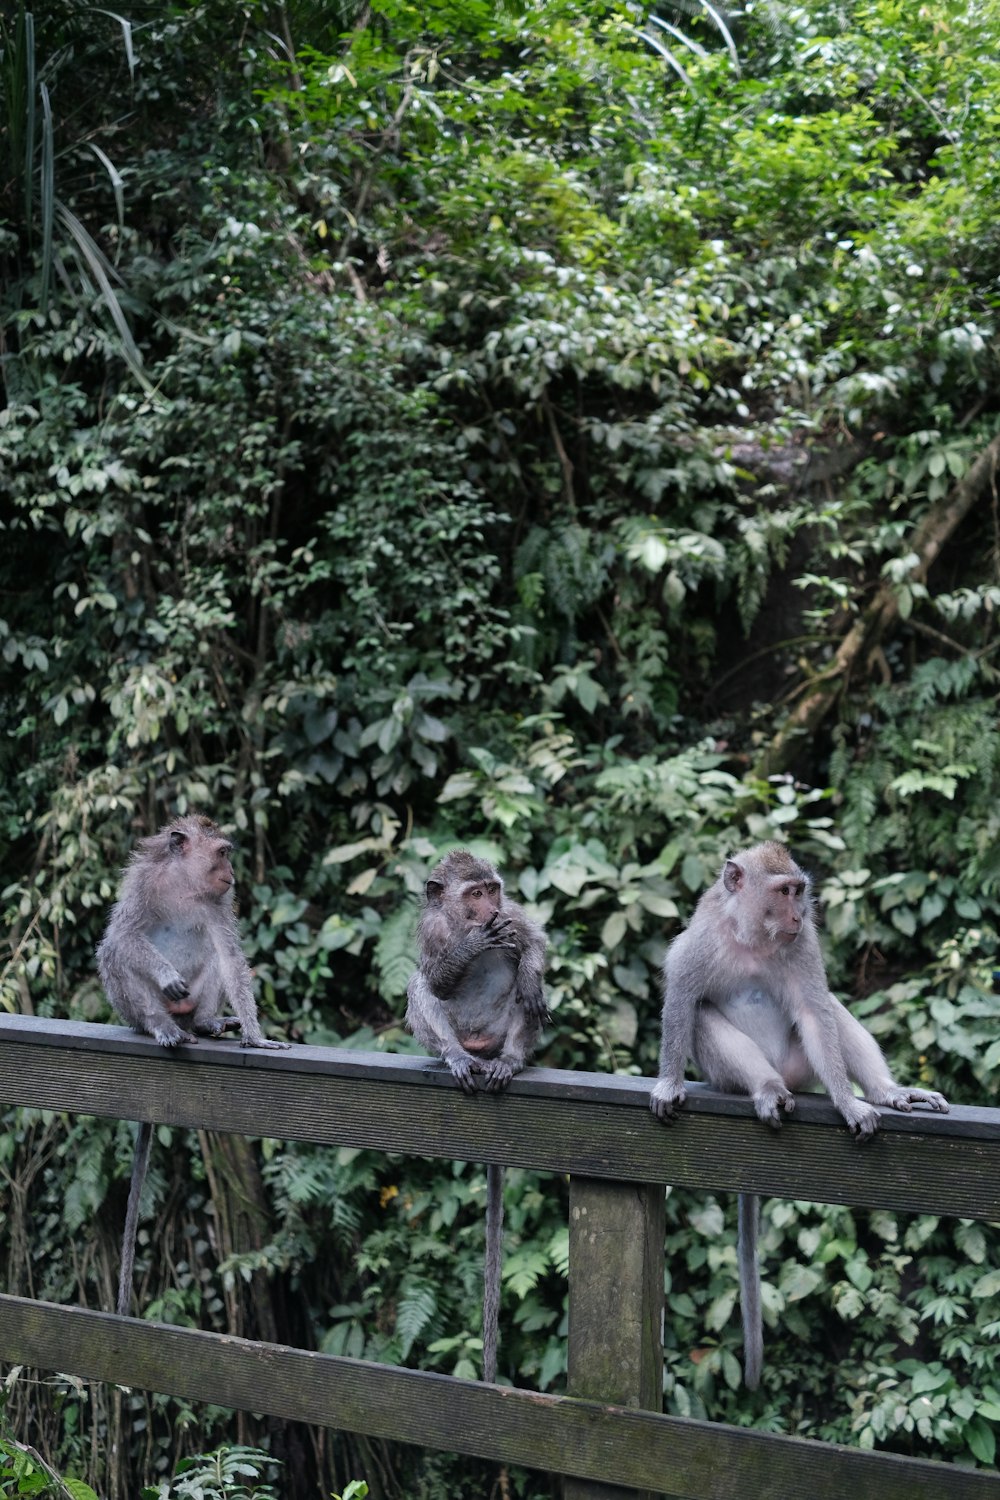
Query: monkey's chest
[760, 1014]
[191, 951]
[485, 995]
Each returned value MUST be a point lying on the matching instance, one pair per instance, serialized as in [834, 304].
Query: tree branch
[866, 634]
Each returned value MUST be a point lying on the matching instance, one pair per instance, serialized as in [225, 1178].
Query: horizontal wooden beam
[586, 1124]
[637, 1450]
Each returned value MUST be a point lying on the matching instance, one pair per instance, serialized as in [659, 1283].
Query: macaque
[169, 960]
[745, 995]
[477, 1001]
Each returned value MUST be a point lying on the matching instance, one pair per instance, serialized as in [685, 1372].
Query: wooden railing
[609, 1437]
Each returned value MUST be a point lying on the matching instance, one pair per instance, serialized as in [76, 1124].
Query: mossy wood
[700, 1460]
[596, 1128]
[584, 1124]
[615, 1344]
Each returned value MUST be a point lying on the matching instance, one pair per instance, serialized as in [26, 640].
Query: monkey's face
[481, 900]
[784, 909]
[198, 858]
[219, 877]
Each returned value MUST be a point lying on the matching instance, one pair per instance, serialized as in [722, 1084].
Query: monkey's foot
[905, 1099]
[862, 1120]
[268, 1044]
[666, 1099]
[213, 1028]
[496, 1075]
[173, 1037]
[770, 1100]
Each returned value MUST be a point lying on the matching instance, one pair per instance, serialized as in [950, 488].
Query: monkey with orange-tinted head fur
[170, 959]
[171, 955]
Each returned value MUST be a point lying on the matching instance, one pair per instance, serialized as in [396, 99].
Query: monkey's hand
[496, 1075]
[905, 1099]
[666, 1099]
[176, 989]
[770, 1100]
[494, 933]
[532, 997]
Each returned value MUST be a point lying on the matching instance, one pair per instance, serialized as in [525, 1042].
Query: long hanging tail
[748, 1220]
[140, 1163]
[491, 1270]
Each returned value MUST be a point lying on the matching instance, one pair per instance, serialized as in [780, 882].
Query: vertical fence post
[616, 1233]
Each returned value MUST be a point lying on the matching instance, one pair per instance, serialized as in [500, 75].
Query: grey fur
[745, 995]
[478, 1001]
[170, 959]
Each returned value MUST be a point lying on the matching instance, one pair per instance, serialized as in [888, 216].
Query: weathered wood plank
[586, 1125]
[639, 1450]
[616, 1233]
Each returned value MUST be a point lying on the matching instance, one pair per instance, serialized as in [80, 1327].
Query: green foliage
[231, 1473]
[23, 1470]
[456, 425]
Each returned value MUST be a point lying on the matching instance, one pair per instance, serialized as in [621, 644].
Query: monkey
[745, 994]
[169, 959]
[477, 1001]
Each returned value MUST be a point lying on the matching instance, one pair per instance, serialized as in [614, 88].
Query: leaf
[658, 906]
[344, 852]
[614, 929]
[417, 1307]
[982, 1440]
[799, 1282]
[286, 909]
[904, 918]
[720, 1311]
[523, 1271]
[707, 1220]
[568, 878]
[395, 954]
[622, 1024]
[972, 1242]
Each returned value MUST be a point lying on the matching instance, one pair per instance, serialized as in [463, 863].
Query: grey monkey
[169, 960]
[478, 1001]
[745, 994]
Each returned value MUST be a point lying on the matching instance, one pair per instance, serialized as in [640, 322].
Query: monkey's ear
[434, 891]
[178, 841]
[733, 876]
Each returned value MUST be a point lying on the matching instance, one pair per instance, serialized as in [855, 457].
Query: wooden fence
[608, 1437]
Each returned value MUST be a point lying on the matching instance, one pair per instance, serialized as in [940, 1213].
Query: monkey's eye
[476, 895]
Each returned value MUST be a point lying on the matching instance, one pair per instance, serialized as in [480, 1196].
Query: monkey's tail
[140, 1164]
[491, 1270]
[753, 1326]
